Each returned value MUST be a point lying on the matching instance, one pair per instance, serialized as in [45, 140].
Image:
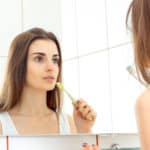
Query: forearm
[84, 130]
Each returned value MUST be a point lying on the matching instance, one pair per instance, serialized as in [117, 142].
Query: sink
[124, 149]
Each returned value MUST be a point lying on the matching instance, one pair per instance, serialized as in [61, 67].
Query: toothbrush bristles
[132, 72]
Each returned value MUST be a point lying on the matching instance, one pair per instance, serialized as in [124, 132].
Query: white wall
[42, 13]
[10, 16]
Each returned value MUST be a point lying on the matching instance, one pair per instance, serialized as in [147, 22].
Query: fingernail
[89, 118]
[77, 102]
[77, 108]
[84, 144]
[74, 102]
[84, 107]
[81, 110]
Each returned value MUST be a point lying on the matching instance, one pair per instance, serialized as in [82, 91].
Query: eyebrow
[43, 54]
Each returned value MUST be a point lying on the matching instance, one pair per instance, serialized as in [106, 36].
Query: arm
[84, 116]
[74, 128]
[81, 122]
[143, 119]
[72, 124]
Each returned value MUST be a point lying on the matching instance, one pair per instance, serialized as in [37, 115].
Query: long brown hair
[16, 70]
[140, 19]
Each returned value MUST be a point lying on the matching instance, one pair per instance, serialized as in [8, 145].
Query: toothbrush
[61, 87]
[132, 72]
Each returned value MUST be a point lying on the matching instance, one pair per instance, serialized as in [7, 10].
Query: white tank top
[8, 127]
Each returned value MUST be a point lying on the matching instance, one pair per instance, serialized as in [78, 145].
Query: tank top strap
[64, 126]
[8, 127]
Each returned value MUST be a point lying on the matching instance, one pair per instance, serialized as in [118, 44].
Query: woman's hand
[87, 146]
[84, 116]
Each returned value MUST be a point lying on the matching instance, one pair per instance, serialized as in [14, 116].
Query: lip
[49, 78]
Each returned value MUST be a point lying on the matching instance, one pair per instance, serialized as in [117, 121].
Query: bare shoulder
[0, 128]
[143, 101]
[143, 108]
[143, 119]
[72, 124]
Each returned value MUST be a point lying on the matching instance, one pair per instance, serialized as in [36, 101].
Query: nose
[50, 66]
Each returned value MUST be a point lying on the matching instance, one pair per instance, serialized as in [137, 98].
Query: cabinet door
[124, 90]
[69, 29]
[45, 14]
[84, 33]
[10, 15]
[83, 27]
[91, 26]
[10, 26]
[116, 22]
[71, 82]
[94, 88]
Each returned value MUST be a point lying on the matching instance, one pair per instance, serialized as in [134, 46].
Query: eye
[55, 60]
[38, 59]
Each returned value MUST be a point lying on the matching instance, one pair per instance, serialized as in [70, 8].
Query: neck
[32, 103]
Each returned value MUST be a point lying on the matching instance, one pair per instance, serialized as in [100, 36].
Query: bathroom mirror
[96, 50]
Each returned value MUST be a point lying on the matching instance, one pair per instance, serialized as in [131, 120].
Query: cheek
[32, 73]
[57, 71]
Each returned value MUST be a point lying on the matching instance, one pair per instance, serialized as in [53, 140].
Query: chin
[50, 88]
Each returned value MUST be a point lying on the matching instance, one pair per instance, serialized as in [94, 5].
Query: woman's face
[42, 65]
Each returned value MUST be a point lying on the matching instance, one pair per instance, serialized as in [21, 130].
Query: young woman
[30, 102]
[140, 17]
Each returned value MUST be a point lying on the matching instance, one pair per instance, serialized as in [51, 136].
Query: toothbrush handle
[70, 96]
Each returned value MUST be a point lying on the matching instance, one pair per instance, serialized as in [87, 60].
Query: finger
[86, 146]
[81, 100]
[85, 110]
[91, 115]
[81, 105]
[95, 147]
[78, 102]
